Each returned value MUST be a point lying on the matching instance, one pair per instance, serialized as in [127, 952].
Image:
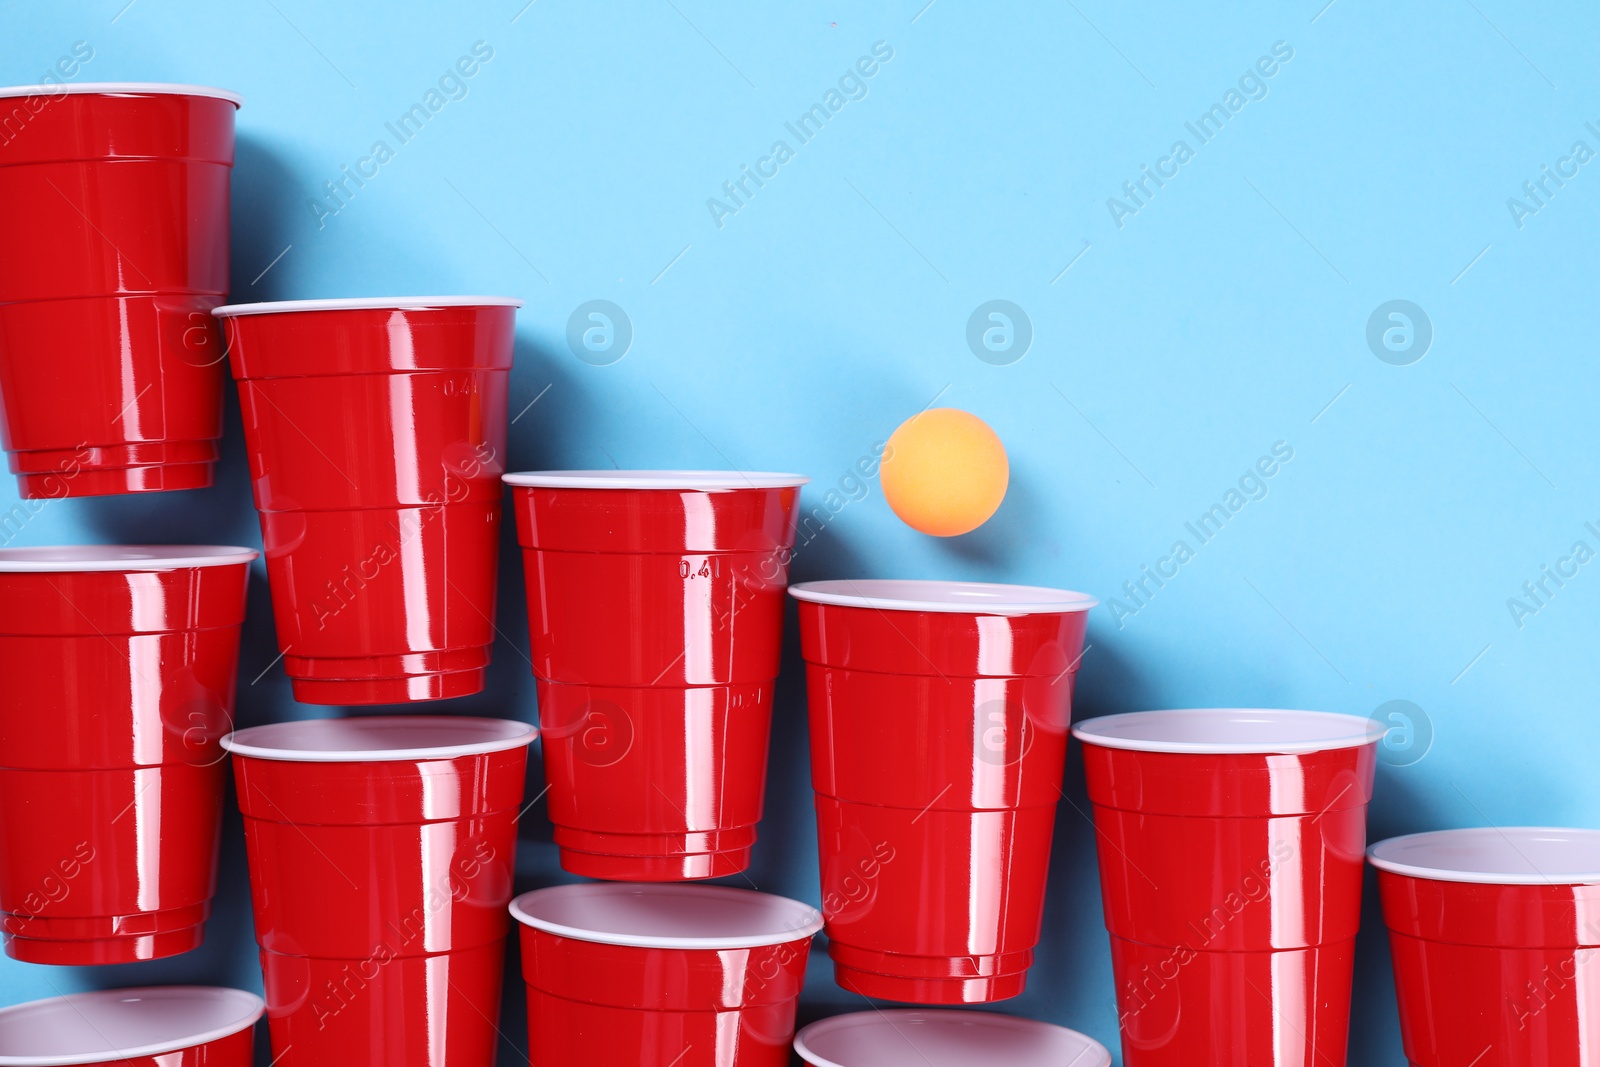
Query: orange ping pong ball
[945, 472]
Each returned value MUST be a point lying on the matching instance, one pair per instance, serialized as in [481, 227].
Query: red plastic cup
[1495, 938]
[116, 248]
[157, 1026]
[659, 975]
[377, 433]
[381, 856]
[1230, 845]
[911, 1038]
[655, 612]
[939, 717]
[119, 664]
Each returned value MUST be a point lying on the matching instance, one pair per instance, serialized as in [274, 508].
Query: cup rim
[1429, 855]
[359, 738]
[86, 558]
[252, 1007]
[122, 89]
[799, 921]
[363, 303]
[889, 1017]
[702, 480]
[1302, 731]
[915, 594]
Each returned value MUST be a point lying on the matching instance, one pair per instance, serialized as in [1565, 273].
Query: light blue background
[1228, 314]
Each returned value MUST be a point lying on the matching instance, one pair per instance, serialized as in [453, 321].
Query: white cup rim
[1490, 855]
[230, 1011]
[363, 303]
[970, 598]
[87, 558]
[771, 920]
[379, 738]
[899, 1019]
[1230, 731]
[686, 480]
[121, 89]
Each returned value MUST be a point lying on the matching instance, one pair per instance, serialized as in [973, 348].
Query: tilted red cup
[1495, 938]
[939, 718]
[381, 854]
[915, 1038]
[1230, 844]
[155, 1026]
[655, 613]
[116, 249]
[120, 664]
[680, 975]
[376, 431]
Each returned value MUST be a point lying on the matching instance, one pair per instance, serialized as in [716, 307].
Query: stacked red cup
[381, 849]
[1230, 845]
[655, 615]
[939, 719]
[120, 660]
[1494, 934]
[120, 664]
[116, 250]
[680, 975]
[376, 431]
[381, 855]
[655, 612]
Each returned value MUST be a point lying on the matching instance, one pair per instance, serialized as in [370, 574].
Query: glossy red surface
[1232, 892]
[406, 1011]
[119, 686]
[116, 249]
[380, 892]
[1498, 973]
[1276, 1009]
[376, 441]
[656, 619]
[591, 1004]
[937, 746]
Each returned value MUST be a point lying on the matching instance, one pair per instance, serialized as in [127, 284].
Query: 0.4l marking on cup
[691, 567]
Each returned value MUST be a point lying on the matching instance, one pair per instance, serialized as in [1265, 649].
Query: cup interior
[79, 558]
[120, 89]
[911, 1038]
[1513, 855]
[975, 598]
[667, 915]
[379, 737]
[692, 481]
[362, 303]
[118, 1024]
[1229, 731]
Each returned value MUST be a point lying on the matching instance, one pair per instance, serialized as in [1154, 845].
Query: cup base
[1178, 1005]
[404, 690]
[105, 951]
[929, 979]
[930, 990]
[114, 482]
[688, 867]
[69, 940]
[679, 857]
[384, 1011]
[106, 470]
[403, 679]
